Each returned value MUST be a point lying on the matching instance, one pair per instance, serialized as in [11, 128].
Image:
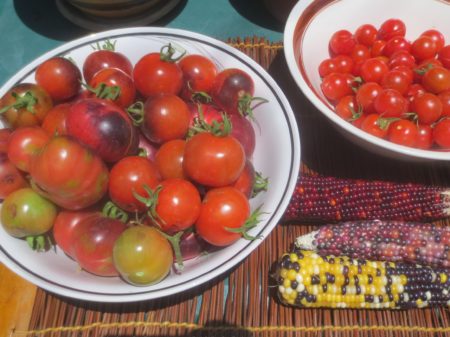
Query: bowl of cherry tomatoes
[141, 162]
[380, 75]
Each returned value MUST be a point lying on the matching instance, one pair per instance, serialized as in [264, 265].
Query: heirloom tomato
[169, 159]
[55, 121]
[69, 174]
[11, 179]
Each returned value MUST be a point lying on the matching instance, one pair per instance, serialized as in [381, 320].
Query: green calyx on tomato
[174, 241]
[40, 243]
[150, 202]
[250, 223]
[27, 100]
[136, 113]
[107, 45]
[167, 53]
[261, 184]
[104, 91]
[245, 107]
[111, 210]
[220, 129]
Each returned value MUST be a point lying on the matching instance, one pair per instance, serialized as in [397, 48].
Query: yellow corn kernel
[443, 277]
[323, 278]
[283, 272]
[307, 280]
[287, 283]
[293, 295]
[291, 274]
[363, 279]
[339, 279]
[293, 257]
[403, 279]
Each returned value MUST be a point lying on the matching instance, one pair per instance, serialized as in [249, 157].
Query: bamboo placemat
[242, 302]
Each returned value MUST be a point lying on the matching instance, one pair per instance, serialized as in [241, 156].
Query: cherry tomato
[94, 239]
[246, 180]
[4, 139]
[242, 129]
[445, 100]
[396, 44]
[377, 48]
[25, 104]
[153, 76]
[402, 58]
[373, 70]
[222, 209]
[142, 255]
[347, 108]
[59, 77]
[406, 71]
[166, 117]
[397, 80]
[423, 67]
[192, 245]
[424, 48]
[391, 28]
[441, 133]
[178, 205]
[11, 179]
[366, 94]
[336, 85]
[359, 54]
[209, 113]
[342, 42]
[169, 159]
[390, 103]
[25, 213]
[428, 108]
[437, 37]
[146, 148]
[24, 144]
[436, 80]
[55, 121]
[213, 160]
[115, 85]
[424, 137]
[69, 174]
[414, 90]
[129, 176]
[444, 56]
[366, 34]
[374, 125]
[101, 59]
[198, 75]
[102, 126]
[327, 67]
[403, 132]
[344, 63]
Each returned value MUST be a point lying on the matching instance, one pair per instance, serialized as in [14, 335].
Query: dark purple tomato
[242, 130]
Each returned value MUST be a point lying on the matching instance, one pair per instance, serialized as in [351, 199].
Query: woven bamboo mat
[242, 303]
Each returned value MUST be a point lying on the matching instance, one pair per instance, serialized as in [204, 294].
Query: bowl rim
[296, 25]
[235, 257]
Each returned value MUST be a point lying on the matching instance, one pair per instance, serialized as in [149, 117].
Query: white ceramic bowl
[277, 156]
[309, 28]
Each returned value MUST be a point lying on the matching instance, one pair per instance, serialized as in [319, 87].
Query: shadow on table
[256, 12]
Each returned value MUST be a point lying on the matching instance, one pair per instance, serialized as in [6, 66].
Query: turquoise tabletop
[30, 28]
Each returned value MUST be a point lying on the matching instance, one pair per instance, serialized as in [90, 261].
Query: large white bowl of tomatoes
[378, 70]
[141, 162]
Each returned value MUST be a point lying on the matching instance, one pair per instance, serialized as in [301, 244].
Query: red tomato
[428, 108]
[146, 148]
[208, 112]
[373, 70]
[391, 28]
[377, 48]
[166, 117]
[366, 94]
[444, 56]
[424, 48]
[242, 129]
[436, 36]
[246, 180]
[222, 209]
[11, 179]
[342, 42]
[390, 103]
[403, 132]
[69, 174]
[64, 229]
[396, 44]
[327, 67]
[336, 85]
[153, 76]
[402, 58]
[129, 176]
[359, 54]
[347, 108]
[414, 90]
[24, 144]
[55, 121]
[406, 71]
[25, 104]
[441, 133]
[344, 64]
[60, 77]
[169, 159]
[119, 86]
[436, 80]
[199, 73]
[424, 137]
[366, 34]
[213, 160]
[445, 100]
[374, 125]
[4, 139]
[178, 205]
[397, 80]
[101, 59]
[94, 239]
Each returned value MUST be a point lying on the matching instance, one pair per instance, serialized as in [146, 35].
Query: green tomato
[142, 255]
[25, 213]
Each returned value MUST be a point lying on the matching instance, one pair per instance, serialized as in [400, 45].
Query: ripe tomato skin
[344, 64]
[17, 117]
[366, 34]
[424, 137]
[101, 59]
[102, 126]
[403, 132]
[169, 159]
[347, 107]
[396, 44]
[436, 36]
[242, 129]
[441, 133]
[444, 56]
[4, 139]
[146, 148]
[397, 80]
[336, 85]
[327, 67]
[153, 76]
[55, 121]
[391, 28]
[94, 239]
[366, 94]
[246, 180]
[373, 70]
[69, 174]
[132, 174]
[371, 124]
[423, 48]
[178, 205]
[166, 117]
[25, 213]
[213, 160]
[59, 77]
[428, 108]
[342, 42]
[65, 226]
[142, 255]
[402, 58]
[436, 80]
[112, 77]
[198, 75]
[24, 144]
[11, 179]
[390, 103]
[377, 48]
[222, 208]
[444, 97]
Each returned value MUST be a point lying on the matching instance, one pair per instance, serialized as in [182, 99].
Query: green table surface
[29, 28]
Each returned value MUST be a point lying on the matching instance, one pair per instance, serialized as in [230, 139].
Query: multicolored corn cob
[328, 199]
[395, 241]
[305, 279]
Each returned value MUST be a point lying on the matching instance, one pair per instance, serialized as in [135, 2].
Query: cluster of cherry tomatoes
[129, 167]
[389, 86]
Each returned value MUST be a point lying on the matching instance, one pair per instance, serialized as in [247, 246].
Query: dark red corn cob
[393, 241]
[329, 199]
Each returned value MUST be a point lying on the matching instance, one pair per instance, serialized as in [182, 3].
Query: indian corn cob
[329, 199]
[395, 241]
[305, 279]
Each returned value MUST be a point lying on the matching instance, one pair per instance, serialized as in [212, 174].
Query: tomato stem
[107, 45]
[220, 129]
[174, 240]
[167, 53]
[104, 91]
[151, 202]
[250, 223]
[28, 101]
[111, 210]
[245, 107]
[136, 113]
[261, 184]
[39, 243]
